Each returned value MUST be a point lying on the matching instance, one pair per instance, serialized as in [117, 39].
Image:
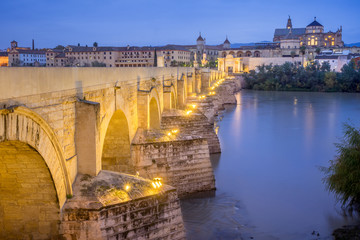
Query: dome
[315, 24]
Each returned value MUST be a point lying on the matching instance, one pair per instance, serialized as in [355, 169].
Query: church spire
[289, 24]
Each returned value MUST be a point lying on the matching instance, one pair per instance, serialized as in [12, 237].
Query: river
[268, 181]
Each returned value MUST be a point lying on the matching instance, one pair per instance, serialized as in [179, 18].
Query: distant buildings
[311, 36]
[4, 59]
[297, 45]
[23, 56]
[336, 60]
[81, 56]
[202, 53]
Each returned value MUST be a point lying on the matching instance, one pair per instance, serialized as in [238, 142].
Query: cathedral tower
[289, 24]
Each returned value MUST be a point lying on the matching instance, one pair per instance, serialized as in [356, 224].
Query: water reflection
[267, 177]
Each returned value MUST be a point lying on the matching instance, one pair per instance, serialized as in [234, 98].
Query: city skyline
[144, 23]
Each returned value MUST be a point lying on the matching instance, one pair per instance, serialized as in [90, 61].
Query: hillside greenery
[314, 77]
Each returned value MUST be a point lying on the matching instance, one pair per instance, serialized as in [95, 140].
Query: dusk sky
[147, 22]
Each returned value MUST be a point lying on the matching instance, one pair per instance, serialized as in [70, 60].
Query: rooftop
[315, 24]
[285, 31]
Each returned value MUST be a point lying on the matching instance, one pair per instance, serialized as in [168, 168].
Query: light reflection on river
[267, 177]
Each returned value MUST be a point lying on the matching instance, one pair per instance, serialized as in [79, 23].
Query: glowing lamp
[169, 133]
[188, 112]
[156, 183]
[174, 131]
[127, 187]
[193, 106]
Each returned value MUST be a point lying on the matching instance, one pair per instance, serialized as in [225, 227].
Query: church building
[312, 36]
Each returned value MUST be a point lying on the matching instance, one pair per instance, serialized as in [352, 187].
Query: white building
[336, 59]
[20, 57]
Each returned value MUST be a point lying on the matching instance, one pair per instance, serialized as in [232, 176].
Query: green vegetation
[343, 175]
[314, 77]
[59, 47]
[98, 64]
[155, 58]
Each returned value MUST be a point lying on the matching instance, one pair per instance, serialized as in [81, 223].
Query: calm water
[267, 177]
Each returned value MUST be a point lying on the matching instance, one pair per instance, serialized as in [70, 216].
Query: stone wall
[103, 209]
[182, 161]
[253, 62]
[194, 124]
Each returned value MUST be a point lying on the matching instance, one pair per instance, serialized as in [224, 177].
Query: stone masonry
[102, 208]
[181, 160]
[194, 124]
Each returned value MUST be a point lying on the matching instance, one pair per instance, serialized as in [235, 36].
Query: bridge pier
[120, 206]
[181, 160]
[87, 137]
[194, 124]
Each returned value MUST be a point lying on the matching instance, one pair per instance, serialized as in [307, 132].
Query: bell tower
[289, 24]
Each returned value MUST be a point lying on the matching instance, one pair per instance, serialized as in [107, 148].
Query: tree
[317, 50]
[155, 58]
[330, 80]
[342, 177]
[325, 66]
[98, 64]
[59, 47]
[293, 53]
[173, 63]
[95, 44]
[302, 51]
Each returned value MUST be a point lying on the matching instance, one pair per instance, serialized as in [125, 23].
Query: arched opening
[116, 149]
[223, 54]
[154, 114]
[173, 102]
[248, 54]
[29, 206]
[256, 54]
[232, 53]
[239, 54]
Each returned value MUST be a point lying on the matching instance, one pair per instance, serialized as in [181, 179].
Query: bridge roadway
[60, 124]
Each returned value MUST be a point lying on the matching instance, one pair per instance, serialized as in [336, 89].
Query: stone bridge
[79, 148]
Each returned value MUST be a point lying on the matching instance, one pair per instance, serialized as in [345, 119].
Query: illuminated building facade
[4, 59]
[311, 36]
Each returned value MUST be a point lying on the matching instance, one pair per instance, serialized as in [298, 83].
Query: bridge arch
[29, 206]
[21, 124]
[169, 97]
[257, 54]
[248, 54]
[154, 110]
[116, 145]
